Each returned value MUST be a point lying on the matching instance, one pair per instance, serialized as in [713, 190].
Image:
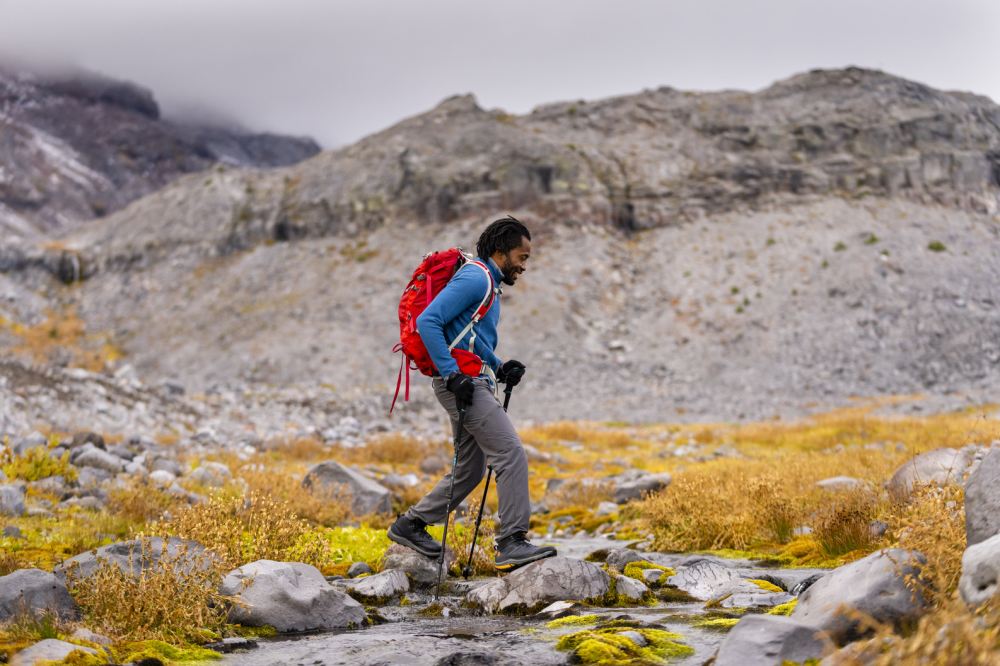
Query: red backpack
[428, 280]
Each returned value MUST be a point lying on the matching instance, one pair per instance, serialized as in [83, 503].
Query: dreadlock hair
[503, 235]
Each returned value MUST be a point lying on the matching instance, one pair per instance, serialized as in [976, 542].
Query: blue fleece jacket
[452, 310]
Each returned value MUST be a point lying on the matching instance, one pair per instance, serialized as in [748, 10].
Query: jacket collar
[494, 270]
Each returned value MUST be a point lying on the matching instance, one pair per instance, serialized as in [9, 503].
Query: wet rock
[766, 640]
[703, 579]
[91, 456]
[982, 500]
[874, 585]
[558, 609]
[49, 649]
[289, 596]
[804, 584]
[980, 571]
[652, 576]
[357, 569]
[635, 637]
[617, 558]
[746, 594]
[476, 658]
[367, 495]
[132, 557]
[11, 499]
[939, 466]
[211, 474]
[422, 571]
[630, 589]
[540, 583]
[840, 483]
[379, 587]
[232, 644]
[633, 486]
[35, 591]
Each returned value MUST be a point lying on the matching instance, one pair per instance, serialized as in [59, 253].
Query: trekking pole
[451, 494]
[467, 569]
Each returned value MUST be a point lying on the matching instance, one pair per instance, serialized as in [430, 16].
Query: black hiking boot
[515, 551]
[412, 533]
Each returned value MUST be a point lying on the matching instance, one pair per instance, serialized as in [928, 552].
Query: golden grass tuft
[240, 529]
[175, 600]
[323, 507]
[578, 493]
[843, 526]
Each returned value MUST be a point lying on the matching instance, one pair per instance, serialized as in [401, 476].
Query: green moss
[165, 652]
[635, 569]
[766, 585]
[573, 620]
[610, 648]
[784, 609]
[720, 623]
[342, 546]
[36, 463]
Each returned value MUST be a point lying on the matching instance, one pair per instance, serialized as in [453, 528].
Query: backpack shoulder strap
[484, 306]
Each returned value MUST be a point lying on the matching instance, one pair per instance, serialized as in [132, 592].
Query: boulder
[980, 571]
[92, 477]
[840, 483]
[161, 478]
[766, 640]
[421, 570]
[540, 583]
[131, 557]
[874, 585]
[939, 466]
[617, 558]
[630, 589]
[289, 596]
[367, 495]
[633, 486]
[982, 500]
[379, 587]
[47, 650]
[212, 474]
[11, 499]
[703, 579]
[36, 592]
[358, 568]
[91, 456]
[747, 594]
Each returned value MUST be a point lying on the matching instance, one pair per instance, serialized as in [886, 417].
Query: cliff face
[80, 147]
[710, 254]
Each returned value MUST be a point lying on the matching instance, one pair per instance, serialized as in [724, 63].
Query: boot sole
[510, 565]
[403, 541]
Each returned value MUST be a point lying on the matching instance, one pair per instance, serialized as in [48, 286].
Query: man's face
[515, 262]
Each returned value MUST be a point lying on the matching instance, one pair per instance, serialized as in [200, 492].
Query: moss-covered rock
[609, 647]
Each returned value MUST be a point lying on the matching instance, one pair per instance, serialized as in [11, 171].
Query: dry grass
[396, 449]
[577, 493]
[139, 503]
[843, 526]
[951, 635]
[315, 505]
[172, 601]
[240, 529]
[62, 337]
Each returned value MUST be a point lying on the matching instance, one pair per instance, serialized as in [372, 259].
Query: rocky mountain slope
[78, 146]
[710, 255]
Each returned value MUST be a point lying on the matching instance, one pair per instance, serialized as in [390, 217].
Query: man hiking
[488, 437]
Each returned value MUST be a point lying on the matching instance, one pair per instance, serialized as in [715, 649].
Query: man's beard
[506, 270]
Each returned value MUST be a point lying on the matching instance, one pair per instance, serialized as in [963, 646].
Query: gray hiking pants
[489, 438]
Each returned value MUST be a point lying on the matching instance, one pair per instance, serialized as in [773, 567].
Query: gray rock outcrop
[939, 466]
[380, 587]
[980, 571]
[768, 640]
[35, 592]
[367, 495]
[874, 585]
[540, 583]
[703, 579]
[11, 499]
[47, 650]
[289, 596]
[982, 500]
[421, 570]
[136, 555]
[636, 484]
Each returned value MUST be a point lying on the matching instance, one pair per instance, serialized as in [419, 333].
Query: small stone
[606, 509]
[635, 637]
[358, 568]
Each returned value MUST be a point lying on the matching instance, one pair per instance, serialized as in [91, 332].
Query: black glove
[463, 387]
[511, 372]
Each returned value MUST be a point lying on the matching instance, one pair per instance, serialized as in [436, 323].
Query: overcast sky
[339, 69]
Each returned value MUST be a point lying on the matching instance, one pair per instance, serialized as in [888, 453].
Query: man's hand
[463, 387]
[511, 372]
